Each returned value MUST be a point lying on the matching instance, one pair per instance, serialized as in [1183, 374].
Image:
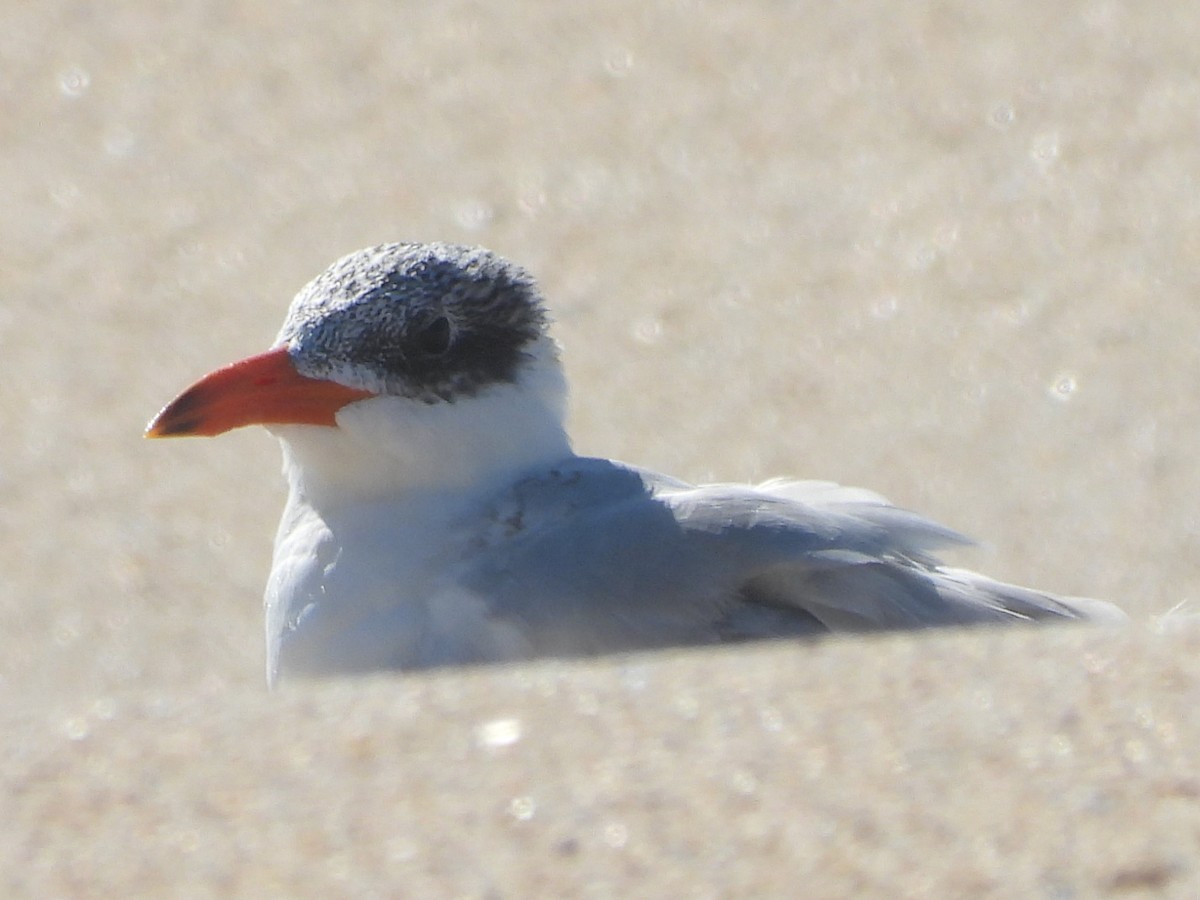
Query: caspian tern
[437, 515]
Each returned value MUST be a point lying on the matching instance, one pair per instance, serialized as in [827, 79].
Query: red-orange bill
[262, 390]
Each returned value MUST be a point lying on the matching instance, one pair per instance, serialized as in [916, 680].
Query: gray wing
[594, 556]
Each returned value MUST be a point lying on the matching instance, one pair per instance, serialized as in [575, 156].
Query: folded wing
[594, 556]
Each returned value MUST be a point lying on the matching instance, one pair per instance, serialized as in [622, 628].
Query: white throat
[393, 447]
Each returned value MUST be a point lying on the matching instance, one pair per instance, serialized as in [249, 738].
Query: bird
[437, 514]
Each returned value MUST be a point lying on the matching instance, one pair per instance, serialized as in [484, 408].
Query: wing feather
[594, 556]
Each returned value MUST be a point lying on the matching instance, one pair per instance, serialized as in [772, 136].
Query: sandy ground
[949, 253]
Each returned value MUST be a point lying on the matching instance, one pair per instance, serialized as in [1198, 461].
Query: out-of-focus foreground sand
[948, 252]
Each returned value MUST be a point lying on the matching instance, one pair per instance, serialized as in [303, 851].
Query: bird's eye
[434, 338]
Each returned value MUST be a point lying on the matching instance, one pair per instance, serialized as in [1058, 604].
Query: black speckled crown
[433, 322]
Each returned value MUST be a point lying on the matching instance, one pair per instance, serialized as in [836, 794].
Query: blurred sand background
[946, 251]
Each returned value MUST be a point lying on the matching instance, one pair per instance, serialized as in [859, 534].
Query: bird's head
[429, 323]
[415, 349]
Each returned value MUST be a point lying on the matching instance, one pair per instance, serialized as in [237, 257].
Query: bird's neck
[392, 448]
